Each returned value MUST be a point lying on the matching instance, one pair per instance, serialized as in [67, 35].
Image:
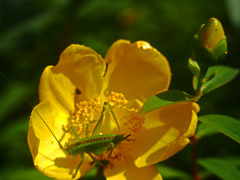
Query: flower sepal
[194, 67]
[209, 45]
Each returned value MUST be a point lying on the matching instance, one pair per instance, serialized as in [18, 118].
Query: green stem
[198, 93]
[199, 86]
[202, 74]
[196, 175]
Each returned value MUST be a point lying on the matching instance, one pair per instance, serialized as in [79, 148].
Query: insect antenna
[31, 107]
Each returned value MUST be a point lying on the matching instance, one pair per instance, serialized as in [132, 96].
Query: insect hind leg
[114, 117]
[79, 165]
[112, 146]
[95, 160]
[87, 126]
[73, 131]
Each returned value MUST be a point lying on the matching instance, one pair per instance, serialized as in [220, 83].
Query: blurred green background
[34, 33]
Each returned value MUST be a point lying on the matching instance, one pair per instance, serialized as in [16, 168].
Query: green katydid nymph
[96, 144]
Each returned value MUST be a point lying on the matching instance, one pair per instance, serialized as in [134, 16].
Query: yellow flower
[72, 94]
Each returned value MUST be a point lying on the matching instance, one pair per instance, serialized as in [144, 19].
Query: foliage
[34, 33]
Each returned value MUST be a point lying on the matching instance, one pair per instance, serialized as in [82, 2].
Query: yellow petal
[48, 157]
[57, 89]
[84, 67]
[126, 170]
[137, 70]
[165, 132]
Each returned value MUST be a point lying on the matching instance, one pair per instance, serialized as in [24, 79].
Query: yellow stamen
[89, 110]
[86, 111]
[116, 99]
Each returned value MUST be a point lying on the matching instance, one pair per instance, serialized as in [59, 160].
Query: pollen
[116, 99]
[86, 111]
[135, 122]
[117, 155]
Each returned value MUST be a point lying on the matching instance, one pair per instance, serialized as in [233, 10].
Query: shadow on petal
[126, 170]
[165, 132]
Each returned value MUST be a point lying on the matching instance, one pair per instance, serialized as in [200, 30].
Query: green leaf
[234, 160]
[165, 99]
[26, 174]
[223, 75]
[203, 130]
[225, 124]
[169, 172]
[221, 167]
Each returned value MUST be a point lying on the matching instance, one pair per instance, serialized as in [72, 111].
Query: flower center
[118, 153]
[86, 111]
[129, 120]
[90, 110]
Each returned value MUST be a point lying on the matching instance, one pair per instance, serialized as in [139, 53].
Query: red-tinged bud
[209, 45]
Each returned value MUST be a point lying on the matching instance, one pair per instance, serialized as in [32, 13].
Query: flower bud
[194, 67]
[209, 45]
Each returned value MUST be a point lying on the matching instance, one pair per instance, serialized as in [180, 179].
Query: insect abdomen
[95, 144]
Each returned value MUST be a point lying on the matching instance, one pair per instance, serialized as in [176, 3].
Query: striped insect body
[95, 144]
[98, 143]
